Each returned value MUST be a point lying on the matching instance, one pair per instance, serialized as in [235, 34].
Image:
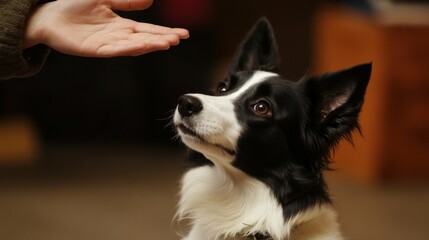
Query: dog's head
[263, 124]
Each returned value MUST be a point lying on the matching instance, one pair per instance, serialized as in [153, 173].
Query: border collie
[259, 145]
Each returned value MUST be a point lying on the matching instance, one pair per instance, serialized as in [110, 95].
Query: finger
[181, 32]
[137, 45]
[156, 29]
[128, 5]
[172, 39]
[155, 40]
[126, 49]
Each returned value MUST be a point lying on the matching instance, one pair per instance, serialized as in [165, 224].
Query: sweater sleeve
[15, 61]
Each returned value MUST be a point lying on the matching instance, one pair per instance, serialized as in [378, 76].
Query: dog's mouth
[192, 133]
[188, 131]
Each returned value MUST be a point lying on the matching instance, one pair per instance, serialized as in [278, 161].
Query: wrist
[35, 26]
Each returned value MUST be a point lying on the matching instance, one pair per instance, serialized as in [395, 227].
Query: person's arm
[14, 60]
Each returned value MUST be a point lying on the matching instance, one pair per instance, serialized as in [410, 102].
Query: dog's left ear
[258, 51]
[336, 100]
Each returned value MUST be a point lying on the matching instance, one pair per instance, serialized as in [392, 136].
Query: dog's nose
[189, 105]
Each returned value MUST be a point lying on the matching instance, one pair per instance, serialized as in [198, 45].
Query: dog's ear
[336, 100]
[258, 51]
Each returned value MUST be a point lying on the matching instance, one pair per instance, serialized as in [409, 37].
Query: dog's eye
[262, 108]
[222, 88]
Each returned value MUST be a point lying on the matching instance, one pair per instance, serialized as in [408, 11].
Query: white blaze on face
[217, 124]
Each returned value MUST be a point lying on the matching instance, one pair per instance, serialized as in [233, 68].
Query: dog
[259, 144]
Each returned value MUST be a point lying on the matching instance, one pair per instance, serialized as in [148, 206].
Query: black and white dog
[259, 146]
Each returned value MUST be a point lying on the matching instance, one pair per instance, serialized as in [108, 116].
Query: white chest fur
[221, 207]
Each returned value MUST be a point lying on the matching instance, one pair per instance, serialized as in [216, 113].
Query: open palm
[91, 28]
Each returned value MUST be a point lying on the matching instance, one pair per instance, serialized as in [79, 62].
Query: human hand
[90, 28]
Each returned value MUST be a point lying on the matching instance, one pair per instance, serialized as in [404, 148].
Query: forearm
[14, 60]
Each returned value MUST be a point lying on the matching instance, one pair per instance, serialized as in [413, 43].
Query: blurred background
[87, 152]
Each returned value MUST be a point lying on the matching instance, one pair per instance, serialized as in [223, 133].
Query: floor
[130, 193]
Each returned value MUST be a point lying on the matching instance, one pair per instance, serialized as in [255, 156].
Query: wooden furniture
[395, 116]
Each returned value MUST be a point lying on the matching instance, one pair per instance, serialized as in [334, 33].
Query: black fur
[289, 150]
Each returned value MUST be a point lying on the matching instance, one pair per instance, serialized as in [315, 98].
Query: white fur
[230, 205]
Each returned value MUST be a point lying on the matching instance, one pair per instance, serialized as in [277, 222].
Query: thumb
[129, 5]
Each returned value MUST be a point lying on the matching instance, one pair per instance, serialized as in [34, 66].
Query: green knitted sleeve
[14, 61]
